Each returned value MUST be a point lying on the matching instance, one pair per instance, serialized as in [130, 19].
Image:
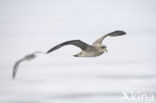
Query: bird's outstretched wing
[26, 58]
[77, 43]
[16, 67]
[112, 34]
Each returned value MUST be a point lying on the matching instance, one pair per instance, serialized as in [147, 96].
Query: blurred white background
[31, 25]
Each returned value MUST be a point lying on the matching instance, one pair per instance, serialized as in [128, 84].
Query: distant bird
[93, 50]
[28, 57]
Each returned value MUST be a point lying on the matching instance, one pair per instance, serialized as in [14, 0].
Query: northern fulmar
[96, 49]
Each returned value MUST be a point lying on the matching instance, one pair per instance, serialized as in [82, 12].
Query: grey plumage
[28, 57]
[112, 34]
[77, 43]
[93, 50]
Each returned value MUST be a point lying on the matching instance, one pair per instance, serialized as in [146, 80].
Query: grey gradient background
[31, 25]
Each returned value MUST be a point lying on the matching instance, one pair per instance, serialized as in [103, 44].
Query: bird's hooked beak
[105, 50]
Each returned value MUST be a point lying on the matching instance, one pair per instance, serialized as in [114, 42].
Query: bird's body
[89, 53]
[96, 49]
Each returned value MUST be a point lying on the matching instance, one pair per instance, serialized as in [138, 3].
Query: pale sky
[44, 17]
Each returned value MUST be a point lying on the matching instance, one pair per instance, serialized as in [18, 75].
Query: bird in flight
[96, 49]
[28, 57]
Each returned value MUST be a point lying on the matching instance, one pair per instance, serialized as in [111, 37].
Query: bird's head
[104, 48]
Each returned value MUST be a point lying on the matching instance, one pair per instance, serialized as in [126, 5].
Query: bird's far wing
[26, 58]
[16, 67]
[112, 34]
[77, 43]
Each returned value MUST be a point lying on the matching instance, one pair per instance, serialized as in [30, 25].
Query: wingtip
[47, 52]
[75, 55]
[122, 32]
[13, 76]
[14, 72]
[50, 50]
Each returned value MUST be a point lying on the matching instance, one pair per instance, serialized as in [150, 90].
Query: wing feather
[15, 68]
[77, 43]
[112, 34]
[26, 58]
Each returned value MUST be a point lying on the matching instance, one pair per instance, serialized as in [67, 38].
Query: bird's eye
[102, 47]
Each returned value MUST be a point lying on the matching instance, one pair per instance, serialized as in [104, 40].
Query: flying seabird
[28, 57]
[96, 49]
